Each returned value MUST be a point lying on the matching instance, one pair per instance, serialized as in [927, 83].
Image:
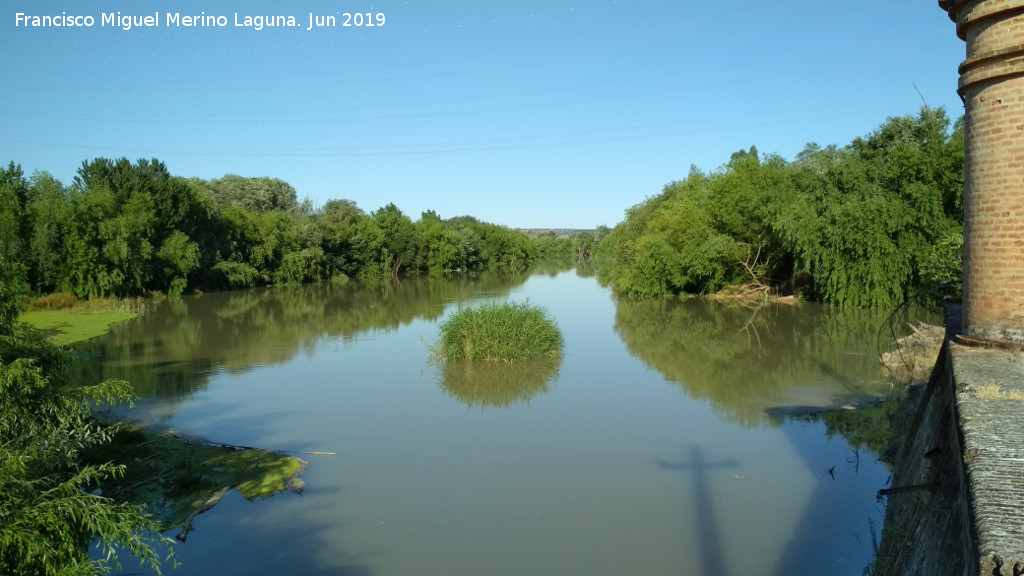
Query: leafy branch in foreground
[51, 505]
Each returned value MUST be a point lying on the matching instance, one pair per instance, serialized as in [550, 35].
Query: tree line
[867, 224]
[871, 223]
[125, 229]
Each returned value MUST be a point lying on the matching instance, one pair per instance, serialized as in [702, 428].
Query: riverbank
[64, 319]
[64, 327]
[953, 506]
[174, 477]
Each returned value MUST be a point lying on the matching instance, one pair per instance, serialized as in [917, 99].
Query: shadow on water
[710, 544]
[240, 537]
[287, 533]
[750, 362]
[845, 489]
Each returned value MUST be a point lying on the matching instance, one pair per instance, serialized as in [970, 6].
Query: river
[649, 449]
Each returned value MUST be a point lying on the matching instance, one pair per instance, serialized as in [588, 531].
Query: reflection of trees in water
[497, 384]
[172, 349]
[869, 429]
[740, 358]
[586, 270]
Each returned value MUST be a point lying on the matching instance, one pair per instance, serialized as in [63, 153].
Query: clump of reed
[71, 303]
[499, 332]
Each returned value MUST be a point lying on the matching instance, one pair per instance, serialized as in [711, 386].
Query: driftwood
[210, 503]
[916, 353]
[931, 487]
[202, 442]
[804, 411]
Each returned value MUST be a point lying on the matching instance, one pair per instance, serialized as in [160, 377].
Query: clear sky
[528, 113]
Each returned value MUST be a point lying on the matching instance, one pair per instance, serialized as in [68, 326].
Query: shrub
[507, 331]
[58, 301]
[237, 275]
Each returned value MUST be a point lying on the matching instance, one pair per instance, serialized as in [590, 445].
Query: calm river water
[647, 450]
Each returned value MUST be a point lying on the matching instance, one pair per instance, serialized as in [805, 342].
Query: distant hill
[556, 232]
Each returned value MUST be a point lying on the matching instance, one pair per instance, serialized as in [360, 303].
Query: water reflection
[172, 350]
[839, 504]
[864, 429]
[497, 384]
[592, 465]
[745, 360]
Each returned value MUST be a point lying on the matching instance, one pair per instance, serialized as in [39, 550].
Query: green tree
[49, 213]
[857, 225]
[442, 244]
[14, 227]
[83, 271]
[180, 257]
[127, 250]
[260, 194]
[398, 236]
[336, 221]
[50, 508]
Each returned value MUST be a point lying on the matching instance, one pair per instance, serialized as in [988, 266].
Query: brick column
[992, 86]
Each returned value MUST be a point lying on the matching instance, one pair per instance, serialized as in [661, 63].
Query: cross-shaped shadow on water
[710, 543]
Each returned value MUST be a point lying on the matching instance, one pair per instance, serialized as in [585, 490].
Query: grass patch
[64, 319]
[994, 392]
[179, 478]
[499, 332]
[68, 326]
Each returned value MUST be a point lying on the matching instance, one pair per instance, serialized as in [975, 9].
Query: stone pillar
[992, 87]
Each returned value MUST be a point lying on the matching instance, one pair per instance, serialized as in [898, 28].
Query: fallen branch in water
[201, 442]
[931, 486]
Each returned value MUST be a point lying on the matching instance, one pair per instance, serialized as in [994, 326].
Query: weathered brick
[993, 90]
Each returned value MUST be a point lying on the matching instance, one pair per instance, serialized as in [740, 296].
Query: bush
[507, 331]
[58, 301]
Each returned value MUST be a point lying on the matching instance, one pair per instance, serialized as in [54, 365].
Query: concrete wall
[955, 505]
[927, 531]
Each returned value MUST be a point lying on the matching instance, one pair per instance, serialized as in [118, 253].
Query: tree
[442, 246]
[867, 224]
[180, 257]
[50, 507]
[127, 250]
[254, 194]
[398, 236]
[49, 214]
[13, 199]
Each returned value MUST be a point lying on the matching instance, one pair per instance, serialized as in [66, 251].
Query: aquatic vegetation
[65, 319]
[178, 478]
[499, 332]
[66, 327]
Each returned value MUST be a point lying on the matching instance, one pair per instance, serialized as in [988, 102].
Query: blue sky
[546, 113]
